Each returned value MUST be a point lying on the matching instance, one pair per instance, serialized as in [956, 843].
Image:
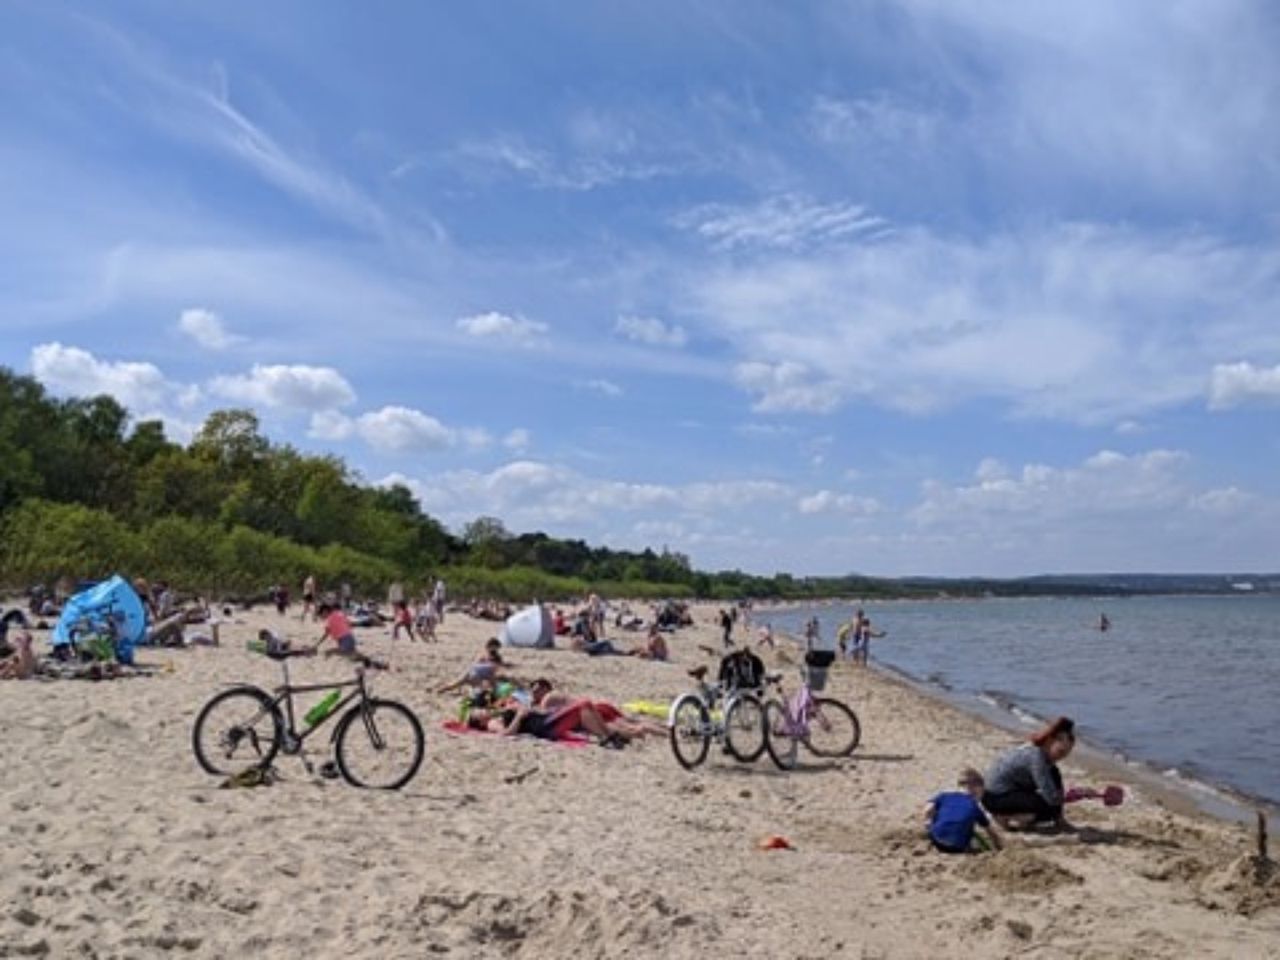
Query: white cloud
[518, 329]
[278, 386]
[1234, 384]
[79, 373]
[1104, 485]
[330, 425]
[826, 501]
[518, 440]
[606, 388]
[652, 331]
[396, 429]
[401, 429]
[1076, 322]
[205, 328]
[784, 222]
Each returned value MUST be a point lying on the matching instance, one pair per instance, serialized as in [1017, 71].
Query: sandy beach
[118, 845]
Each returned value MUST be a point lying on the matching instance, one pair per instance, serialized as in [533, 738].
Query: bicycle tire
[742, 715]
[690, 730]
[825, 713]
[363, 719]
[244, 731]
[784, 749]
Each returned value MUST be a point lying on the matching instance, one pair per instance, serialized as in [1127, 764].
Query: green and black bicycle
[377, 743]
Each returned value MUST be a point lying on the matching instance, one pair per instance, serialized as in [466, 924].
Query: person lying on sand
[21, 664]
[600, 720]
[543, 697]
[951, 817]
[1024, 786]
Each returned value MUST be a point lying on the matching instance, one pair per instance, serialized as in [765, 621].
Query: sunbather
[21, 664]
[483, 670]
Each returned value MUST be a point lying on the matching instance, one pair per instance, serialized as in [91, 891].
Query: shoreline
[1180, 792]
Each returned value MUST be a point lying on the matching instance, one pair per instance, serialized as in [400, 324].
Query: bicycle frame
[284, 694]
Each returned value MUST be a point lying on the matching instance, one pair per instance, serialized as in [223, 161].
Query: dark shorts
[308, 597]
[347, 644]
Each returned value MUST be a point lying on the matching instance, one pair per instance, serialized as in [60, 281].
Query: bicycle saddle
[698, 673]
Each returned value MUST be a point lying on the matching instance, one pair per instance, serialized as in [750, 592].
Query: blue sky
[918, 287]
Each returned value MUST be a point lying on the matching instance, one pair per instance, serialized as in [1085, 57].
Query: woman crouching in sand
[1024, 786]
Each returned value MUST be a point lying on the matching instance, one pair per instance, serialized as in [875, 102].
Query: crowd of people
[1022, 789]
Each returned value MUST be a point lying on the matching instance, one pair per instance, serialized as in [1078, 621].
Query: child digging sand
[952, 817]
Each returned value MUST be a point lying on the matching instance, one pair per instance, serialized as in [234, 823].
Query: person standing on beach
[726, 626]
[308, 597]
[437, 600]
[862, 641]
[1024, 786]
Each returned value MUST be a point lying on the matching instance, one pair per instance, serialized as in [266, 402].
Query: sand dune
[118, 845]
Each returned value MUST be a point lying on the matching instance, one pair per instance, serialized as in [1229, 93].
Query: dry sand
[117, 845]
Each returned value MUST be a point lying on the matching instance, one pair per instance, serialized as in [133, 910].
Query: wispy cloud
[786, 222]
[651, 331]
[606, 388]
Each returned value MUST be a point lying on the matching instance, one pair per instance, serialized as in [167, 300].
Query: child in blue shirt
[952, 817]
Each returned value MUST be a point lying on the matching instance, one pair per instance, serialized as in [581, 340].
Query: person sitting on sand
[336, 628]
[951, 817]
[1024, 786]
[21, 664]
[483, 670]
[654, 648]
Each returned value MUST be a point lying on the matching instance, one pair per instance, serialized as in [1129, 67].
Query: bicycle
[256, 729]
[693, 723]
[827, 727]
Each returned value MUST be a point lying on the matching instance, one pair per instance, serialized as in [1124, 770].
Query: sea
[1187, 685]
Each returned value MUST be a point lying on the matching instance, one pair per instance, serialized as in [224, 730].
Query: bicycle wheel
[379, 745]
[690, 731]
[744, 727]
[834, 730]
[782, 746]
[237, 730]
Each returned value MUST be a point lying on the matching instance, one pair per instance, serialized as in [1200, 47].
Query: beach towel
[459, 729]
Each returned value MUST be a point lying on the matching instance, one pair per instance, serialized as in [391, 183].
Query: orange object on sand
[775, 842]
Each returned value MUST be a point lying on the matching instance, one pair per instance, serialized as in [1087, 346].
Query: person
[280, 596]
[654, 648]
[952, 817]
[596, 615]
[597, 718]
[427, 622]
[336, 628]
[559, 624]
[309, 598]
[1024, 786]
[438, 598]
[484, 670]
[402, 620]
[766, 636]
[742, 670]
[21, 664]
[1104, 623]
[726, 627]
[862, 644]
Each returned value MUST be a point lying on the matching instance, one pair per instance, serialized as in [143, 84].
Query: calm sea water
[1188, 684]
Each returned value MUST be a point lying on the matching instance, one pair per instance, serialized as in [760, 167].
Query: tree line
[85, 492]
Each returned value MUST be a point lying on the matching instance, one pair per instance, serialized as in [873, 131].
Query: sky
[939, 287]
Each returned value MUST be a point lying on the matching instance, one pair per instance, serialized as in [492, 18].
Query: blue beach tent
[113, 598]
